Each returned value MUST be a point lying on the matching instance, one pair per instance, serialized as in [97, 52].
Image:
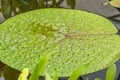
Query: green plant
[110, 74]
[71, 36]
[24, 74]
[47, 77]
[37, 70]
[78, 72]
[7, 9]
[10, 7]
[40, 67]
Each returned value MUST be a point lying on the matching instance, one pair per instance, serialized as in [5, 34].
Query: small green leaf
[115, 3]
[97, 78]
[24, 74]
[6, 8]
[39, 67]
[47, 77]
[111, 72]
[77, 73]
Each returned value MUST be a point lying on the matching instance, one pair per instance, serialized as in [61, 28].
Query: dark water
[7, 73]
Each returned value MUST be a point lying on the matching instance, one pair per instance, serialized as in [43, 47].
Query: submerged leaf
[6, 8]
[87, 78]
[54, 2]
[97, 79]
[41, 3]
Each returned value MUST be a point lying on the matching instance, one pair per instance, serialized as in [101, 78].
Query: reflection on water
[8, 73]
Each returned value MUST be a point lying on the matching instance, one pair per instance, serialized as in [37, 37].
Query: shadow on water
[7, 73]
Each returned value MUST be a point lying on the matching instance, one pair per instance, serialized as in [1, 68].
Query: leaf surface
[72, 37]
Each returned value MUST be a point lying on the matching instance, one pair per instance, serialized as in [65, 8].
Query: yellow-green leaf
[24, 74]
[115, 3]
[78, 72]
[47, 77]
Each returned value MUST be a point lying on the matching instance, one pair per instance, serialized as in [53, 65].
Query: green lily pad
[115, 3]
[74, 38]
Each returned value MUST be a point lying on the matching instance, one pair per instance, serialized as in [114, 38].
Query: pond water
[7, 73]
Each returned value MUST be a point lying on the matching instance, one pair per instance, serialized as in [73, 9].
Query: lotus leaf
[74, 38]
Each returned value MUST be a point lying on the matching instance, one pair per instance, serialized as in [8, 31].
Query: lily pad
[74, 38]
[115, 3]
